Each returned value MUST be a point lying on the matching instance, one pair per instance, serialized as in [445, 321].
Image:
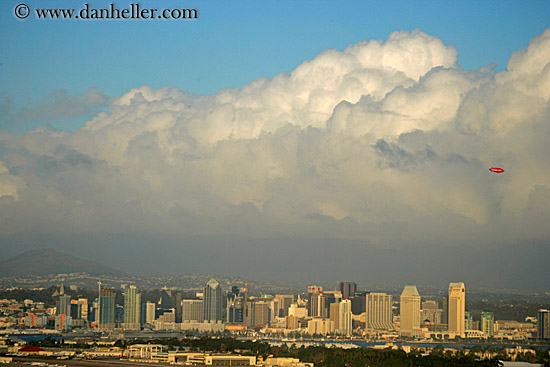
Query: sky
[313, 140]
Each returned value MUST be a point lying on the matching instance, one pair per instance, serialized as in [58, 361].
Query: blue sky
[233, 43]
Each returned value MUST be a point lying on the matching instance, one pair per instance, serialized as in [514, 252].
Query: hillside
[48, 261]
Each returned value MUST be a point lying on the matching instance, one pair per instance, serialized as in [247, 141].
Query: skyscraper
[285, 300]
[63, 306]
[313, 291]
[430, 312]
[150, 312]
[345, 324]
[347, 289]
[107, 308]
[468, 320]
[488, 323]
[410, 311]
[457, 307]
[132, 308]
[543, 324]
[212, 301]
[378, 311]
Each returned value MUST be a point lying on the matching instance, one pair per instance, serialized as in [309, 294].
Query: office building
[132, 308]
[410, 311]
[468, 320]
[258, 313]
[82, 308]
[378, 311]
[320, 326]
[358, 305]
[63, 305]
[348, 289]
[150, 312]
[313, 291]
[445, 310]
[297, 311]
[177, 297]
[212, 306]
[285, 300]
[488, 323]
[107, 308]
[431, 312]
[457, 308]
[345, 325]
[341, 317]
[192, 310]
[543, 324]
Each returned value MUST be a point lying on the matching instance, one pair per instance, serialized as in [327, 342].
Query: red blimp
[496, 169]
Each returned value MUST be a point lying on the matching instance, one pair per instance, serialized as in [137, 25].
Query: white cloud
[384, 142]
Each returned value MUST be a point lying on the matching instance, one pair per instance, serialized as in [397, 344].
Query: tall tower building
[347, 289]
[285, 300]
[150, 312]
[457, 307]
[63, 306]
[543, 324]
[468, 320]
[313, 291]
[378, 311]
[410, 311]
[212, 301]
[107, 308]
[488, 323]
[430, 312]
[345, 323]
[132, 308]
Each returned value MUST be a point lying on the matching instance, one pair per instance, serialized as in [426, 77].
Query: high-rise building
[445, 310]
[317, 305]
[177, 297]
[410, 311]
[83, 308]
[313, 291]
[488, 323]
[347, 289]
[430, 312]
[543, 324]
[150, 312]
[345, 323]
[166, 302]
[107, 308]
[63, 306]
[468, 320]
[297, 311]
[258, 313]
[132, 308]
[378, 311]
[212, 301]
[457, 308]
[192, 310]
[358, 305]
[285, 300]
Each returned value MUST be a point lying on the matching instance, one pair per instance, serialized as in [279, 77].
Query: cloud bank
[384, 146]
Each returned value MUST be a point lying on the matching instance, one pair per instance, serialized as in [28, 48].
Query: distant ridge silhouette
[48, 261]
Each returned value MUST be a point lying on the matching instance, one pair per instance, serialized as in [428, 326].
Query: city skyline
[349, 141]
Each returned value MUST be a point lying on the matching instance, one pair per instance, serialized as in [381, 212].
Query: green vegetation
[325, 356]
[503, 309]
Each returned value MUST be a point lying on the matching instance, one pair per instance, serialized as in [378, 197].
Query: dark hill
[48, 261]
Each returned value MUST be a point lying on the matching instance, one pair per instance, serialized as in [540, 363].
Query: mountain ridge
[48, 261]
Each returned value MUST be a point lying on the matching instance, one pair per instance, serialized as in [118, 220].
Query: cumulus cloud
[384, 143]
